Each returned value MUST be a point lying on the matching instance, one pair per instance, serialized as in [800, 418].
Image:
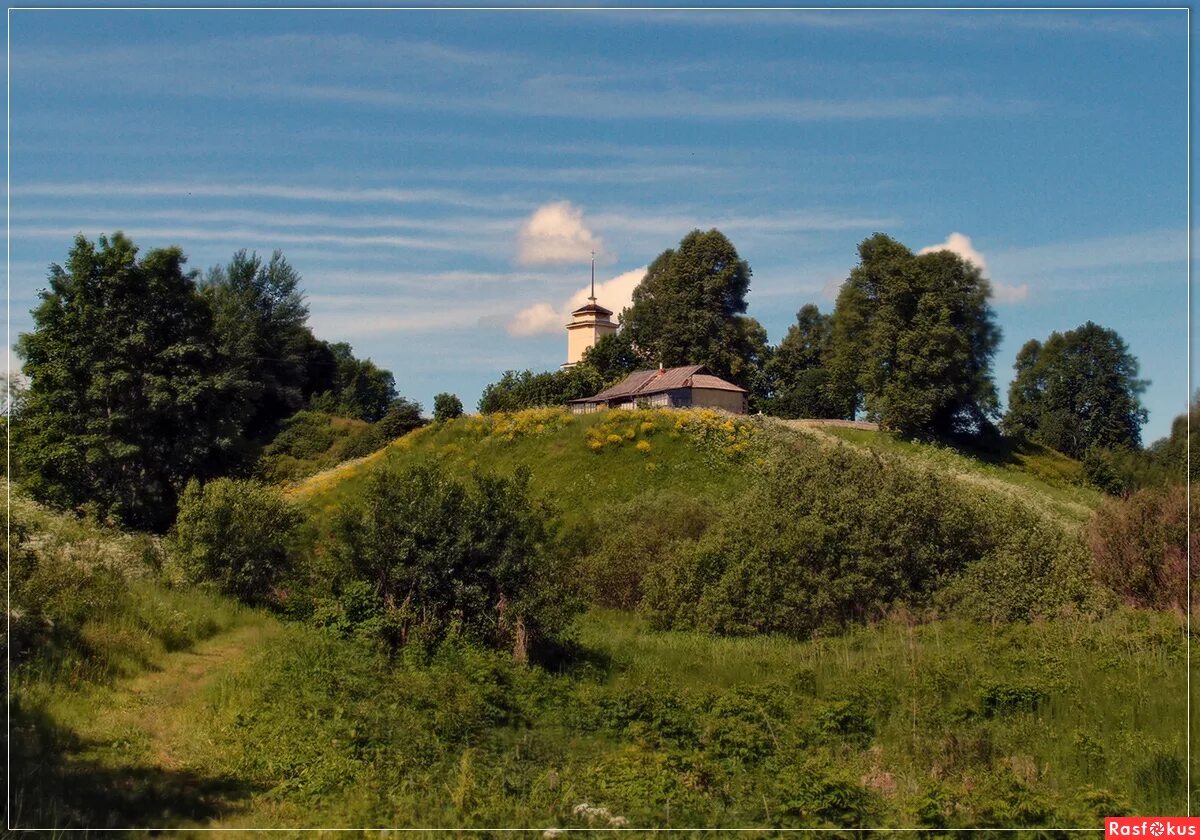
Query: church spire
[593, 297]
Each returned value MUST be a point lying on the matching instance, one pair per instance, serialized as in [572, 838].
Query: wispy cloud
[290, 192]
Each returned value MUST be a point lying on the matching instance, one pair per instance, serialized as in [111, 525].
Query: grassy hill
[141, 701]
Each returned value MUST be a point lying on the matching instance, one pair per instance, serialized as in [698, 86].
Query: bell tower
[588, 324]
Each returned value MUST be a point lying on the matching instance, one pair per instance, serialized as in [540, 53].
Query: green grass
[1053, 724]
[1031, 471]
[165, 705]
[579, 481]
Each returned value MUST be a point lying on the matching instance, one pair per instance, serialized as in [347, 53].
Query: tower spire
[593, 297]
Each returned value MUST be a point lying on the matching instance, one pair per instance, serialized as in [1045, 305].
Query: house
[681, 387]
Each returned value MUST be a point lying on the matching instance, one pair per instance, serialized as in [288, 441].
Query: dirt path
[151, 710]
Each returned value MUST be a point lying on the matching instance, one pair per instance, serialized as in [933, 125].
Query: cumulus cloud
[556, 234]
[542, 318]
[960, 244]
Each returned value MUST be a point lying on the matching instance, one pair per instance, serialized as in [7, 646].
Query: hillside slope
[590, 462]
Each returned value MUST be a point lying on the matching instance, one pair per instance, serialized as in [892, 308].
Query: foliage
[128, 397]
[947, 724]
[1077, 390]
[716, 434]
[828, 537]
[688, 310]
[443, 556]
[515, 391]
[84, 602]
[360, 388]
[1140, 547]
[402, 416]
[311, 441]
[261, 323]
[614, 357]
[799, 381]
[237, 535]
[633, 537]
[912, 341]
[446, 407]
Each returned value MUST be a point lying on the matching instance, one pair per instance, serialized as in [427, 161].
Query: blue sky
[439, 178]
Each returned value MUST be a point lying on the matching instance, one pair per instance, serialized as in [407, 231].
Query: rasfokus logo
[1151, 826]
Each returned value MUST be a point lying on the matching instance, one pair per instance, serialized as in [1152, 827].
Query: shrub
[1140, 546]
[636, 536]
[401, 417]
[827, 537]
[236, 535]
[446, 407]
[447, 557]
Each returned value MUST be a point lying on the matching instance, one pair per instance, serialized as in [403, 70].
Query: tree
[360, 389]
[261, 322]
[614, 357]
[128, 397]
[796, 371]
[1077, 391]
[441, 555]
[686, 311]
[401, 417]
[446, 407]
[515, 391]
[236, 534]
[913, 338]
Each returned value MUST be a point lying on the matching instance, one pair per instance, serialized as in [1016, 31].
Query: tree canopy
[261, 322]
[796, 371]
[912, 342]
[1077, 390]
[689, 310]
[141, 379]
[129, 395]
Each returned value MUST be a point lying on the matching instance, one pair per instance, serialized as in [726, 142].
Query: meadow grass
[949, 723]
[1033, 472]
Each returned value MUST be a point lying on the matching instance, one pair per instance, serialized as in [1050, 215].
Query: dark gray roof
[643, 383]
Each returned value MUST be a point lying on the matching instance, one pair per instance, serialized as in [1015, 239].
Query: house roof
[643, 383]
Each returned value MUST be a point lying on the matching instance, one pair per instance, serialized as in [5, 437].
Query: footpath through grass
[947, 724]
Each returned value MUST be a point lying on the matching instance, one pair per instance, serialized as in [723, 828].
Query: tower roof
[593, 307]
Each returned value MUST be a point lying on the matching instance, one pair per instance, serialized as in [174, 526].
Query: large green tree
[688, 310]
[129, 396]
[913, 338]
[1077, 390]
[799, 380]
[262, 324]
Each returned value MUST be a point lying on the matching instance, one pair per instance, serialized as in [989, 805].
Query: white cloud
[543, 318]
[556, 234]
[960, 244]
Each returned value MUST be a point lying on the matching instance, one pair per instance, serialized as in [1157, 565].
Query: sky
[440, 178]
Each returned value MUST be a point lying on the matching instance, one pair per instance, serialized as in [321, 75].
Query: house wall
[731, 401]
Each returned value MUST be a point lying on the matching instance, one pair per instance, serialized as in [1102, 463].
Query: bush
[828, 537]
[446, 407]
[237, 535]
[636, 536]
[445, 557]
[401, 417]
[1140, 546]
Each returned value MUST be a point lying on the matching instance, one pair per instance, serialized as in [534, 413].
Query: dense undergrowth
[844, 654]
